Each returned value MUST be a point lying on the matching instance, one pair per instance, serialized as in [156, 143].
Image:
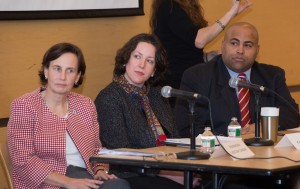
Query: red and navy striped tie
[244, 97]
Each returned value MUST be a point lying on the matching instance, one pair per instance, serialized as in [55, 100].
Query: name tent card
[290, 140]
[236, 148]
[218, 152]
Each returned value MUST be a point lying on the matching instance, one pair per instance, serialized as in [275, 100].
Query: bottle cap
[207, 128]
[234, 119]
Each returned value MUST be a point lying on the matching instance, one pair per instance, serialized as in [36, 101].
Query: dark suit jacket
[211, 80]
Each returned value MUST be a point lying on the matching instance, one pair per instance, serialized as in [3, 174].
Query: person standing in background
[52, 132]
[182, 29]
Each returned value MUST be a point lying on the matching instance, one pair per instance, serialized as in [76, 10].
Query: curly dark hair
[55, 52]
[161, 62]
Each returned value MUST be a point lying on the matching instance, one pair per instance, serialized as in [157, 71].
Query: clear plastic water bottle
[208, 141]
[234, 128]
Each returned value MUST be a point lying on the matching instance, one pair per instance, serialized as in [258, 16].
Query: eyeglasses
[161, 156]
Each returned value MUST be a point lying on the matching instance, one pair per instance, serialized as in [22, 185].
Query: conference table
[261, 164]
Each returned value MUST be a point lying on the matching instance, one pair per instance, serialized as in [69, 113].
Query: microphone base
[258, 142]
[192, 155]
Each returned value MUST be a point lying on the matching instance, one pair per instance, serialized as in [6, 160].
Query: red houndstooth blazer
[37, 137]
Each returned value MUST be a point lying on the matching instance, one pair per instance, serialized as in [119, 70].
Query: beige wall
[23, 43]
[3, 181]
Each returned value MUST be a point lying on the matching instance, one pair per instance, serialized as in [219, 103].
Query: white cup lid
[269, 111]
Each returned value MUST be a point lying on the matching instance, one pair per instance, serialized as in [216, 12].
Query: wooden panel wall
[23, 43]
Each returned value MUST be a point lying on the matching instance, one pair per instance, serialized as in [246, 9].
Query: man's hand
[248, 129]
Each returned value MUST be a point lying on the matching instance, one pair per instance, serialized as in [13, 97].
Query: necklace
[61, 111]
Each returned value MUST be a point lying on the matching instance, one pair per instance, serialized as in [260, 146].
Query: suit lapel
[227, 93]
[258, 80]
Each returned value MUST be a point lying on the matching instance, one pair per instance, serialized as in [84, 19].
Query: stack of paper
[187, 141]
[125, 153]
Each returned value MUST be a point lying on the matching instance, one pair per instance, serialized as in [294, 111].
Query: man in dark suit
[239, 50]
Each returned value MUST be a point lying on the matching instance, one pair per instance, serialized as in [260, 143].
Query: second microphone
[168, 92]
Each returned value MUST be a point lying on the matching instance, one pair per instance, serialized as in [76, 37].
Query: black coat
[211, 80]
[123, 123]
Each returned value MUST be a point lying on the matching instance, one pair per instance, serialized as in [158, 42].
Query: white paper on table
[236, 148]
[187, 141]
[183, 141]
[290, 140]
[125, 153]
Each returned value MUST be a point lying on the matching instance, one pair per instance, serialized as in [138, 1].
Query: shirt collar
[235, 74]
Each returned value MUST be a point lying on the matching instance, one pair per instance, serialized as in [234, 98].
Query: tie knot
[242, 76]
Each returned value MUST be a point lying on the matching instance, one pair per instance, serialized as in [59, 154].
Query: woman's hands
[99, 179]
[239, 6]
[57, 179]
[75, 183]
[103, 175]
[207, 34]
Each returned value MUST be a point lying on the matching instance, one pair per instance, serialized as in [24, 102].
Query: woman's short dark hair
[123, 56]
[55, 52]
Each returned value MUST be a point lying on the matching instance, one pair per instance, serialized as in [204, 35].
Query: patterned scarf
[151, 118]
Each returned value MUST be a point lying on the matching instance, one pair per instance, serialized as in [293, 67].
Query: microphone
[236, 82]
[168, 92]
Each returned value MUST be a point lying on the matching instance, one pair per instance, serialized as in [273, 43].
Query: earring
[76, 82]
[152, 75]
[46, 77]
[124, 65]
